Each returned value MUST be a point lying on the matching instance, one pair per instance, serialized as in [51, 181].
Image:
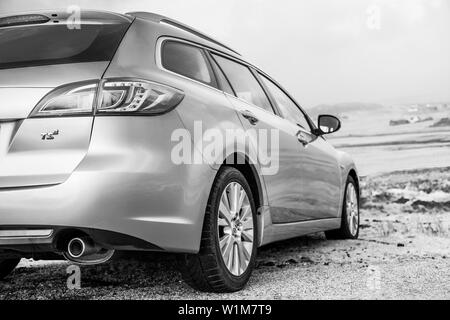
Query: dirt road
[403, 253]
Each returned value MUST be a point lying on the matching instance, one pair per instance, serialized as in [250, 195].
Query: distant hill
[343, 108]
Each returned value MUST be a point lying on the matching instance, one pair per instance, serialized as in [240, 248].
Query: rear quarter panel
[187, 185]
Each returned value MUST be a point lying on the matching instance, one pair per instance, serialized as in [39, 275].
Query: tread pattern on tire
[343, 232]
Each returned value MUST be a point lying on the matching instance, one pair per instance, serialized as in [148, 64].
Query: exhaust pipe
[80, 247]
[83, 250]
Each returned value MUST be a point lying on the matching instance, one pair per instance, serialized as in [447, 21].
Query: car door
[319, 170]
[282, 180]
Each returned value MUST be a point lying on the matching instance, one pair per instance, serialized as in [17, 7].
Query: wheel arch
[241, 163]
[251, 173]
[352, 173]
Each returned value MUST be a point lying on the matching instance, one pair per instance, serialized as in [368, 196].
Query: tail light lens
[138, 97]
[116, 97]
[72, 99]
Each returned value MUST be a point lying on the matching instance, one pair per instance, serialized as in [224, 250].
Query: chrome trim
[159, 64]
[69, 246]
[204, 47]
[181, 26]
[20, 234]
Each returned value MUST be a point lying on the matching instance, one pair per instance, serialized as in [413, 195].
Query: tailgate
[48, 78]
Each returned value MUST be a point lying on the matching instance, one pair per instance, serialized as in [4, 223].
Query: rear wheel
[228, 245]
[7, 266]
[350, 214]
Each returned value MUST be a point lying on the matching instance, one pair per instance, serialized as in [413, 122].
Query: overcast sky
[322, 51]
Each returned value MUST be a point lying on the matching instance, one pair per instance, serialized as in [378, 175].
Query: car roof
[179, 29]
[184, 29]
[188, 33]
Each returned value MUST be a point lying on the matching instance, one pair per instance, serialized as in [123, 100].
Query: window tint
[244, 83]
[37, 45]
[188, 61]
[288, 108]
[221, 79]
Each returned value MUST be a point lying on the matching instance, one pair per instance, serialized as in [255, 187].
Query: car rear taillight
[116, 96]
[129, 96]
[73, 99]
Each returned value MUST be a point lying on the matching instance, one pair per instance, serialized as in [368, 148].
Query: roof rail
[162, 19]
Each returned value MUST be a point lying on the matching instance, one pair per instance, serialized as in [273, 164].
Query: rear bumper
[164, 215]
[126, 184]
[40, 239]
[28, 240]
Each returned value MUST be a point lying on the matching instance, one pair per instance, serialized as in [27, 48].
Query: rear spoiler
[60, 16]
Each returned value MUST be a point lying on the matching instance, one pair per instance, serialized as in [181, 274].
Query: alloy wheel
[352, 209]
[235, 228]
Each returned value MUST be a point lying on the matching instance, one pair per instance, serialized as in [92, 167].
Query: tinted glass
[288, 108]
[35, 45]
[221, 79]
[188, 61]
[244, 83]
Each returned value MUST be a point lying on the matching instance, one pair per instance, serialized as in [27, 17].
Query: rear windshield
[36, 45]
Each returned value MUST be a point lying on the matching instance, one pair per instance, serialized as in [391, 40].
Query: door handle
[250, 117]
[302, 138]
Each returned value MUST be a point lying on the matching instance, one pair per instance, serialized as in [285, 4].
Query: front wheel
[228, 246]
[7, 266]
[350, 214]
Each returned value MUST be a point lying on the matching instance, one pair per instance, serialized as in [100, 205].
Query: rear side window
[221, 79]
[36, 45]
[244, 83]
[188, 61]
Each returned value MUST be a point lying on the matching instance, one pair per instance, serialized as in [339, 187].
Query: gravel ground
[403, 253]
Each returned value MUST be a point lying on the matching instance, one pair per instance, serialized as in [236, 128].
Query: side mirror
[328, 124]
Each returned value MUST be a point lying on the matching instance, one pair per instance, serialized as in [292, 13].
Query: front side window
[244, 83]
[188, 61]
[288, 108]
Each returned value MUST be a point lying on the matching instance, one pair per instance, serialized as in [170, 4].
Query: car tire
[7, 266]
[219, 265]
[350, 214]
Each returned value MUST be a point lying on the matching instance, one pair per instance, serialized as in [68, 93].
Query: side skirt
[278, 232]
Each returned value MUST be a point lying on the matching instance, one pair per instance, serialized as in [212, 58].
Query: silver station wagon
[115, 135]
